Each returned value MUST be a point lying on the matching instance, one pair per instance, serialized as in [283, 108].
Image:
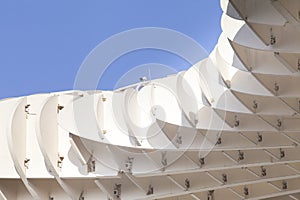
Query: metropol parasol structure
[228, 128]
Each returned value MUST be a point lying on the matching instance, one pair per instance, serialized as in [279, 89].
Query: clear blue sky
[43, 43]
